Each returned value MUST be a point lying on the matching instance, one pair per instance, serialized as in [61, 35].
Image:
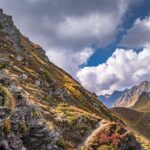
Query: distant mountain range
[136, 117]
[109, 100]
[130, 97]
[126, 98]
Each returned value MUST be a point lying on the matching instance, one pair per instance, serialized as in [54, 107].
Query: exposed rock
[4, 78]
[14, 88]
[37, 82]
[42, 52]
[25, 76]
[4, 145]
[19, 58]
[4, 113]
[11, 32]
[41, 69]
[2, 75]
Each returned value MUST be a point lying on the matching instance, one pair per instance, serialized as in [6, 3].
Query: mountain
[130, 97]
[44, 108]
[126, 98]
[136, 119]
[138, 116]
[143, 102]
[109, 100]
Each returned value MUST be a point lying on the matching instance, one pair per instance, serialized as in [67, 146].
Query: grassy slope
[79, 97]
[138, 122]
[143, 103]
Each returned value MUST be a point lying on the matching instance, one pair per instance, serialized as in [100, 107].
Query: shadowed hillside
[143, 102]
[138, 121]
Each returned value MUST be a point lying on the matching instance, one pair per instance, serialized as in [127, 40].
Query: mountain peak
[9, 29]
[1, 11]
[129, 97]
[145, 84]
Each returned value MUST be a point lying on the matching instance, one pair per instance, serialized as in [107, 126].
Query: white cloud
[70, 62]
[123, 69]
[98, 27]
[67, 27]
[138, 35]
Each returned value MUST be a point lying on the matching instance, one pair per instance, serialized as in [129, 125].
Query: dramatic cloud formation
[138, 35]
[123, 69]
[67, 27]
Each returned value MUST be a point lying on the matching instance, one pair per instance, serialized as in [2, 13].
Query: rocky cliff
[44, 108]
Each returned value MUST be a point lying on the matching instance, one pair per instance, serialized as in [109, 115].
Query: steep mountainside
[139, 121]
[44, 108]
[109, 100]
[143, 102]
[130, 97]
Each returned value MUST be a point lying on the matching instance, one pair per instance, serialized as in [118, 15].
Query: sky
[103, 44]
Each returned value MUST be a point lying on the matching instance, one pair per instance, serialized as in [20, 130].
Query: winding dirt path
[92, 134]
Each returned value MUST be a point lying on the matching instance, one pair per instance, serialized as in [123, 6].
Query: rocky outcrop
[24, 126]
[10, 30]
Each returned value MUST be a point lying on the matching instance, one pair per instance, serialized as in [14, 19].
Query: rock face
[9, 29]
[23, 125]
[41, 106]
[130, 97]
